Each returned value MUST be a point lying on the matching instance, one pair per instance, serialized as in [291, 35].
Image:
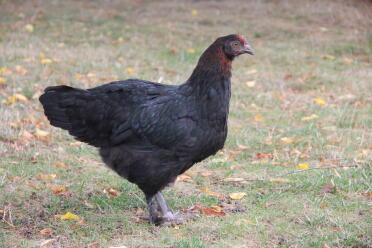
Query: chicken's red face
[237, 46]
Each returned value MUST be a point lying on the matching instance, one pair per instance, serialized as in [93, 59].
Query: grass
[304, 50]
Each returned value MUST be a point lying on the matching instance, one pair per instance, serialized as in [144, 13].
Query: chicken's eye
[235, 44]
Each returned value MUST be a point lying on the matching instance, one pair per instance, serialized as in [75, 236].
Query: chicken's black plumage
[148, 132]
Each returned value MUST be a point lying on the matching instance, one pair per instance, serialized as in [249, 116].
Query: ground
[302, 102]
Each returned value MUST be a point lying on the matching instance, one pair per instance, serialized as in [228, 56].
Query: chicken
[147, 132]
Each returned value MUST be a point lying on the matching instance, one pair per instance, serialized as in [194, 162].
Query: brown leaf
[47, 242]
[328, 188]
[93, 244]
[206, 174]
[183, 178]
[212, 211]
[45, 176]
[207, 191]
[288, 76]
[79, 223]
[111, 192]
[46, 232]
[57, 189]
[264, 155]
[60, 165]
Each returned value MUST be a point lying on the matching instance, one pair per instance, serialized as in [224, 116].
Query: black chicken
[149, 133]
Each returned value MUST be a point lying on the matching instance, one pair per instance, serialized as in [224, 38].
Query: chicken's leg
[168, 217]
[154, 219]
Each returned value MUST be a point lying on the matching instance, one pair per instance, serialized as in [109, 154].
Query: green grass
[303, 51]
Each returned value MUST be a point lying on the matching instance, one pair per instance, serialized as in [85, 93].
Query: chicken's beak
[248, 49]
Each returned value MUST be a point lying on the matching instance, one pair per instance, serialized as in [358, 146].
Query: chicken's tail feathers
[80, 112]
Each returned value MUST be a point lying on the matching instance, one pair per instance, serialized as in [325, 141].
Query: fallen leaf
[194, 12]
[21, 70]
[303, 166]
[207, 191]
[320, 101]
[2, 80]
[57, 189]
[279, 180]
[46, 232]
[212, 211]
[244, 221]
[47, 242]
[191, 51]
[5, 71]
[328, 57]
[206, 174]
[328, 188]
[29, 28]
[45, 61]
[69, 216]
[79, 223]
[183, 178]
[326, 246]
[251, 71]
[41, 133]
[20, 97]
[60, 165]
[91, 75]
[112, 192]
[286, 140]
[130, 70]
[309, 118]
[77, 143]
[234, 179]
[237, 195]
[258, 117]
[45, 176]
[262, 155]
[250, 84]
[78, 76]
[288, 76]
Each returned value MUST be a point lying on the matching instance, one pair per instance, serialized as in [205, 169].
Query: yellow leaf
[244, 221]
[41, 55]
[91, 75]
[250, 84]
[237, 195]
[45, 176]
[78, 76]
[194, 12]
[251, 71]
[209, 192]
[309, 118]
[217, 208]
[286, 140]
[303, 166]
[234, 179]
[45, 61]
[258, 117]
[320, 101]
[2, 80]
[21, 70]
[130, 70]
[328, 57]
[5, 71]
[69, 216]
[41, 133]
[29, 28]
[279, 180]
[191, 51]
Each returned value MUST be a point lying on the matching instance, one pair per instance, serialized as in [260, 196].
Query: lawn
[299, 148]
